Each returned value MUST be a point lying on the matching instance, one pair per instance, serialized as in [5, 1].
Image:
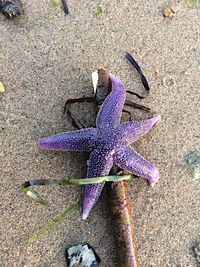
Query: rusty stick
[124, 224]
[120, 205]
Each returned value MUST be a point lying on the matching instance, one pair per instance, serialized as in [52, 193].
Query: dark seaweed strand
[71, 118]
[135, 105]
[139, 71]
[39, 182]
[98, 100]
[65, 7]
[129, 114]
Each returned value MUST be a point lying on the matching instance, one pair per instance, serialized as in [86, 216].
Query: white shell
[95, 78]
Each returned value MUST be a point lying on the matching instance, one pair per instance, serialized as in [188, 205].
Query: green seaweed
[190, 3]
[99, 11]
[57, 4]
[33, 195]
[49, 226]
[85, 181]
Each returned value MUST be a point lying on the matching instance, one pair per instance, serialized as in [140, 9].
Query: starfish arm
[110, 112]
[100, 164]
[131, 131]
[130, 161]
[81, 140]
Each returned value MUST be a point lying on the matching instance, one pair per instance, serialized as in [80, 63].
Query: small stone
[197, 252]
[82, 255]
[168, 12]
[193, 160]
[11, 8]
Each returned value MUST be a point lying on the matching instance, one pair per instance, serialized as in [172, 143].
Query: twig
[120, 206]
[124, 225]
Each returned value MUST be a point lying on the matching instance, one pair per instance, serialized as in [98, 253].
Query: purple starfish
[108, 143]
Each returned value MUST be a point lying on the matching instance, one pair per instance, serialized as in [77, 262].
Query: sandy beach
[47, 58]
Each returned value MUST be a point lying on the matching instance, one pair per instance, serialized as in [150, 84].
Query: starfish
[108, 144]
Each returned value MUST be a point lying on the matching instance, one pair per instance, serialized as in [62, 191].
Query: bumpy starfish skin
[108, 143]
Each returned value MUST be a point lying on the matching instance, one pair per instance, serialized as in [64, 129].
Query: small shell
[82, 255]
[2, 89]
[168, 12]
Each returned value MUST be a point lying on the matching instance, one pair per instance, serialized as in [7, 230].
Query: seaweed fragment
[84, 181]
[61, 4]
[99, 11]
[52, 223]
[11, 8]
[102, 87]
[71, 118]
[142, 77]
[190, 3]
[138, 106]
[65, 7]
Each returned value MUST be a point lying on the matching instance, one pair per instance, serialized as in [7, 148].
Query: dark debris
[11, 8]
[82, 255]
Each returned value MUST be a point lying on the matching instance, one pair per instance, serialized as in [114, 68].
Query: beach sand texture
[47, 58]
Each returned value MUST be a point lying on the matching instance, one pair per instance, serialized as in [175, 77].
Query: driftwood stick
[123, 225]
[121, 211]
[120, 205]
